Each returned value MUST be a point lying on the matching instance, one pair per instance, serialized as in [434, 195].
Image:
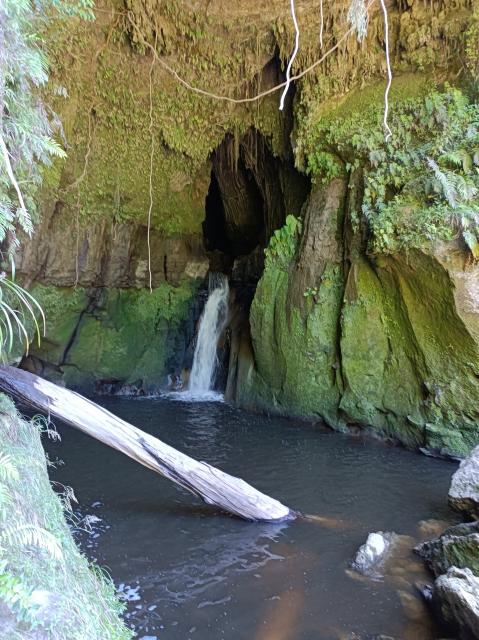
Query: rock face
[388, 342]
[357, 339]
[464, 490]
[127, 336]
[457, 593]
[457, 546]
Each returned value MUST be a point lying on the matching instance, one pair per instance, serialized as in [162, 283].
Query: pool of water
[189, 571]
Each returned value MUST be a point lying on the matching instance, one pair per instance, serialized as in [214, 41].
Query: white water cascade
[212, 324]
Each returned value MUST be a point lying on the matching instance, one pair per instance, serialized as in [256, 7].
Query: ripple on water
[205, 575]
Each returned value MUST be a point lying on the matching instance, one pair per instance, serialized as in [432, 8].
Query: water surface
[191, 572]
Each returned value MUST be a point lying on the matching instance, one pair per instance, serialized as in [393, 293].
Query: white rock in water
[457, 593]
[372, 553]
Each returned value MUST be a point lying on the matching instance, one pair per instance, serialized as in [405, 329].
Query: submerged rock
[371, 556]
[457, 546]
[464, 490]
[456, 595]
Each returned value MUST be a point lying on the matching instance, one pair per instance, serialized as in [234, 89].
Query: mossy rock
[457, 546]
[125, 334]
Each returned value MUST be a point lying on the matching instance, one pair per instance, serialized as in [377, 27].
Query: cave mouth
[250, 194]
[251, 191]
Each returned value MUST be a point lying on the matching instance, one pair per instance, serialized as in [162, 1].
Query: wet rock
[456, 595]
[371, 556]
[107, 386]
[116, 387]
[464, 490]
[426, 591]
[457, 546]
[132, 389]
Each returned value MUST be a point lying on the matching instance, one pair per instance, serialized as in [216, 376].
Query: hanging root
[293, 56]
[321, 26]
[387, 130]
[152, 151]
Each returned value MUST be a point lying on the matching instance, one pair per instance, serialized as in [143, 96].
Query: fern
[448, 190]
[29, 535]
[8, 470]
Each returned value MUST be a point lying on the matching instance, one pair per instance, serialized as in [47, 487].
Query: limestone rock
[464, 490]
[457, 546]
[457, 595]
[372, 554]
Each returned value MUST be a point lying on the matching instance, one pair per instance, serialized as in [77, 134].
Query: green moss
[379, 363]
[62, 308]
[458, 546]
[111, 130]
[82, 599]
[296, 358]
[390, 354]
[128, 335]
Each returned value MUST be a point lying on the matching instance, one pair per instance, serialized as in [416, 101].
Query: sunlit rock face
[457, 596]
[357, 338]
[380, 342]
[464, 489]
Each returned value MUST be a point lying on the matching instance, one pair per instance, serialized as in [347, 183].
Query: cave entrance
[251, 192]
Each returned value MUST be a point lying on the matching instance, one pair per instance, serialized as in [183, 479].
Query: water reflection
[215, 561]
[196, 573]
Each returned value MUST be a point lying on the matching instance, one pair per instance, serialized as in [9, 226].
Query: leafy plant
[421, 186]
[26, 138]
[13, 592]
[30, 535]
[282, 245]
[17, 307]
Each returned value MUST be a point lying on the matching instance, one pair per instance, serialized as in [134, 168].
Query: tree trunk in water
[208, 483]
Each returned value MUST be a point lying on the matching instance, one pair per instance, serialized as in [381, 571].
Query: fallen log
[213, 486]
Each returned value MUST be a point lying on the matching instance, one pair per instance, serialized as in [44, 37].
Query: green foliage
[421, 186]
[282, 245]
[14, 593]
[46, 584]
[18, 308]
[26, 138]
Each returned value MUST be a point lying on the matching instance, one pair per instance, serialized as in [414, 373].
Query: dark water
[193, 573]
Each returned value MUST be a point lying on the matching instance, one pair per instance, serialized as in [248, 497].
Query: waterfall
[212, 323]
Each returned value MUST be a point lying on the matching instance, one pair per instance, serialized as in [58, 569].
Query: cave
[250, 194]
[251, 191]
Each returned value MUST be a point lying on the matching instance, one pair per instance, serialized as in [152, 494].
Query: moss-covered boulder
[457, 546]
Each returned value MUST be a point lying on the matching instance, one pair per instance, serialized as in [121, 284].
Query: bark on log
[208, 483]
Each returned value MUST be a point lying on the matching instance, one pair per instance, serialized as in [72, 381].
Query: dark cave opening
[251, 192]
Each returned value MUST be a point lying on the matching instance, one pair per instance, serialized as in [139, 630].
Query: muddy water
[189, 572]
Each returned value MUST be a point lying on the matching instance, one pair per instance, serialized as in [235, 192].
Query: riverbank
[48, 589]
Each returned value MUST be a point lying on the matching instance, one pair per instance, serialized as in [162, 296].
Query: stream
[189, 572]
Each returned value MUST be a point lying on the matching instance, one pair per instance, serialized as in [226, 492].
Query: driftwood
[208, 483]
